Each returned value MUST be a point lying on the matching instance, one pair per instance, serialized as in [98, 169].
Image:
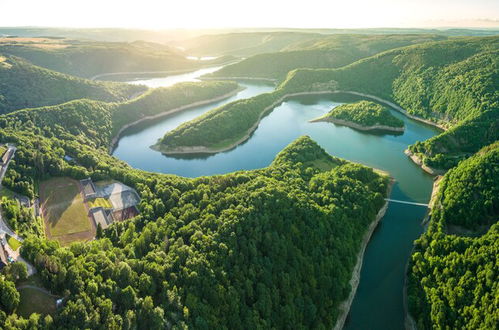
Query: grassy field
[14, 243]
[63, 207]
[35, 301]
[322, 164]
[100, 202]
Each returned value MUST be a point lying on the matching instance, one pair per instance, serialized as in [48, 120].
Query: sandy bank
[358, 126]
[409, 322]
[418, 161]
[355, 279]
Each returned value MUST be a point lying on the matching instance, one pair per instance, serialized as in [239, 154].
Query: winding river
[378, 303]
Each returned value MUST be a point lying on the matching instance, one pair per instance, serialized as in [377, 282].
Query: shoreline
[345, 305]
[358, 126]
[409, 322]
[418, 161]
[274, 81]
[208, 150]
[117, 136]
[168, 72]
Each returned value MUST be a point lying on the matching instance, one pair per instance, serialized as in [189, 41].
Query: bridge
[405, 202]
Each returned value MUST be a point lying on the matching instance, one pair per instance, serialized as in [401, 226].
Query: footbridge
[405, 202]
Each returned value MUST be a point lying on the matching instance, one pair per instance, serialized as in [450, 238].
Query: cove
[378, 303]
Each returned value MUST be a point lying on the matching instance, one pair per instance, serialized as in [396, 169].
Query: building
[101, 217]
[122, 202]
[88, 188]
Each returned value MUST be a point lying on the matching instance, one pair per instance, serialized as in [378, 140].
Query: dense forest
[320, 52]
[88, 58]
[243, 44]
[267, 248]
[364, 113]
[453, 279]
[209, 252]
[452, 83]
[219, 127]
[23, 85]
[164, 99]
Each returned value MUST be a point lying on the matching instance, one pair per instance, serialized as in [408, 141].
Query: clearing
[66, 217]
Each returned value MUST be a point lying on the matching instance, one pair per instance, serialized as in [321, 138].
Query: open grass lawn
[322, 164]
[105, 203]
[63, 207]
[35, 301]
[14, 243]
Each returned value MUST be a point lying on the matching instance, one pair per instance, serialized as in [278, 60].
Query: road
[4, 227]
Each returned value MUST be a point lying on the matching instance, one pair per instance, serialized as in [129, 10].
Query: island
[363, 116]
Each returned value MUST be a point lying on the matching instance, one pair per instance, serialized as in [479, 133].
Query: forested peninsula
[364, 116]
[450, 83]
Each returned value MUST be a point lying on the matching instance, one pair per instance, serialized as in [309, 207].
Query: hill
[242, 44]
[23, 85]
[87, 59]
[452, 280]
[363, 115]
[331, 51]
[450, 83]
[211, 252]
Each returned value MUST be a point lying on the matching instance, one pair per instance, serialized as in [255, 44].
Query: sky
[173, 14]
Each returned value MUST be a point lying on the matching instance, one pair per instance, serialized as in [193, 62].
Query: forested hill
[453, 83]
[267, 248]
[23, 85]
[320, 52]
[363, 113]
[453, 280]
[243, 44]
[87, 58]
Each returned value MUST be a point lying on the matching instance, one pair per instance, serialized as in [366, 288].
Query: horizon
[223, 14]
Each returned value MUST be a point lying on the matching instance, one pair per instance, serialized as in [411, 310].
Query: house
[101, 217]
[88, 188]
[122, 202]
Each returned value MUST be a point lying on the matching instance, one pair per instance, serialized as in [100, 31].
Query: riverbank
[418, 161]
[116, 138]
[355, 279]
[409, 322]
[373, 128]
[167, 72]
[231, 145]
[273, 81]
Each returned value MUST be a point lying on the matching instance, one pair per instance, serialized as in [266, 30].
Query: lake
[378, 303]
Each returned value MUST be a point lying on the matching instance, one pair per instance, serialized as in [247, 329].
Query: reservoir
[378, 303]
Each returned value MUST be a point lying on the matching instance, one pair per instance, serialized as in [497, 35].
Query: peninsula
[363, 116]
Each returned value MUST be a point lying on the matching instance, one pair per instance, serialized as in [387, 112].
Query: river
[378, 303]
